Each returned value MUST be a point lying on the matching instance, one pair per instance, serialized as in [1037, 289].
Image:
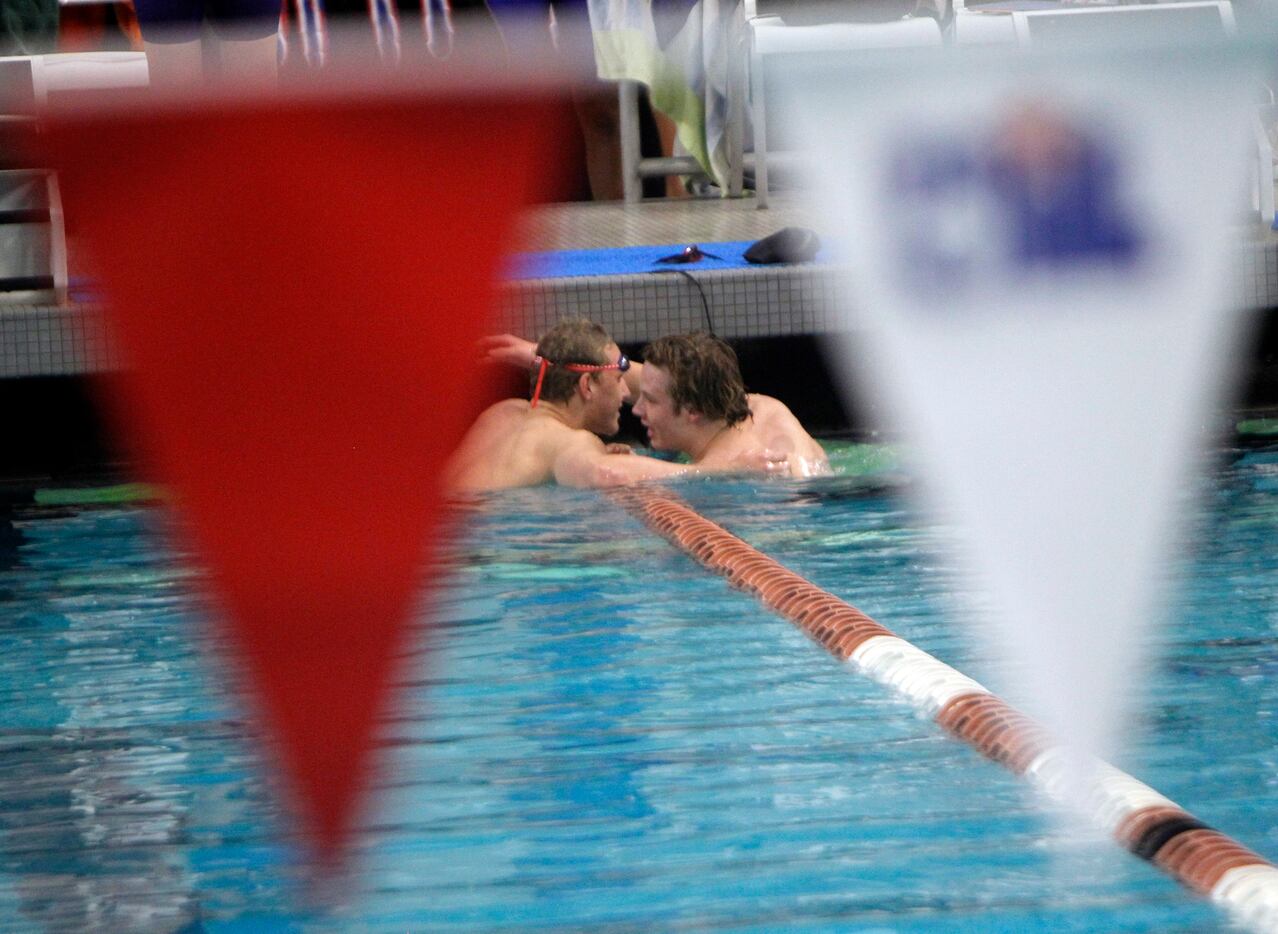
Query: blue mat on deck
[624, 260]
[567, 264]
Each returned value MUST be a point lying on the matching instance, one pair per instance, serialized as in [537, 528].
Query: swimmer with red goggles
[542, 364]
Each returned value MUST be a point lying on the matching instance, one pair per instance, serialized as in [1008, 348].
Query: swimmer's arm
[517, 352]
[508, 349]
[587, 463]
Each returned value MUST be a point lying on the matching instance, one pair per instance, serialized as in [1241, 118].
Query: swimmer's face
[667, 429]
[607, 392]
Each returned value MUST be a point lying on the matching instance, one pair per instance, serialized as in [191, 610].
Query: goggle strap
[542, 364]
[541, 375]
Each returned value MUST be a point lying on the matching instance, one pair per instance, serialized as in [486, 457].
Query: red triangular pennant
[297, 288]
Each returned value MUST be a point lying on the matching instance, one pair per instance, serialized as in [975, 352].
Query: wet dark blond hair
[704, 375]
[572, 340]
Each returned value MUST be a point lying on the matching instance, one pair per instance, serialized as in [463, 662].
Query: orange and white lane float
[1139, 818]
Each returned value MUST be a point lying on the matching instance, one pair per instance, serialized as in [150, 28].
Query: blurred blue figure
[1059, 189]
[974, 209]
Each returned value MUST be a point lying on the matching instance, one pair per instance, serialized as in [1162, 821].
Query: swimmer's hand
[764, 460]
[813, 467]
[507, 349]
[616, 447]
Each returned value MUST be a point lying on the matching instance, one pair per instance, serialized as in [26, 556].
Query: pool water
[605, 737]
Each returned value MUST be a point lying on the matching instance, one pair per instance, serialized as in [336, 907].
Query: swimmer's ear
[585, 386]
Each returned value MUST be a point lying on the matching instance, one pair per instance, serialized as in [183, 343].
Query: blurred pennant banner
[1038, 284]
[297, 287]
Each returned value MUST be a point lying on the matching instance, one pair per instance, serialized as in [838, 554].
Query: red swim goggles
[543, 364]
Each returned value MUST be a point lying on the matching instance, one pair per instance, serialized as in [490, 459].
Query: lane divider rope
[1140, 819]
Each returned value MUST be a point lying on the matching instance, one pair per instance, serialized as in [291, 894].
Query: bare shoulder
[502, 420]
[508, 446]
[778, 428]
[504, 410]
[764, 408]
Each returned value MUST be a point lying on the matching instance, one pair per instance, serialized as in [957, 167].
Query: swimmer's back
[506, 447]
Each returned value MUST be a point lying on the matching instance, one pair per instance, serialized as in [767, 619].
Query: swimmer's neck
[568, 415]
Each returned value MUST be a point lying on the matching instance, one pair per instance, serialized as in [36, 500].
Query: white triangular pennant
[1038, 282]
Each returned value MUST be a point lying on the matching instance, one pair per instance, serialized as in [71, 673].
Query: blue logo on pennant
[1037, 195]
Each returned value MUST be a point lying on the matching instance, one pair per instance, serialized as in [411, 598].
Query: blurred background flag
[297, 286]
[1038, 294]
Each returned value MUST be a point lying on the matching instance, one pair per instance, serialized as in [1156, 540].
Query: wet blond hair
[704, 375]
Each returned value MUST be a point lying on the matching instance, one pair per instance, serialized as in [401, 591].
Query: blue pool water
[604, 737]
